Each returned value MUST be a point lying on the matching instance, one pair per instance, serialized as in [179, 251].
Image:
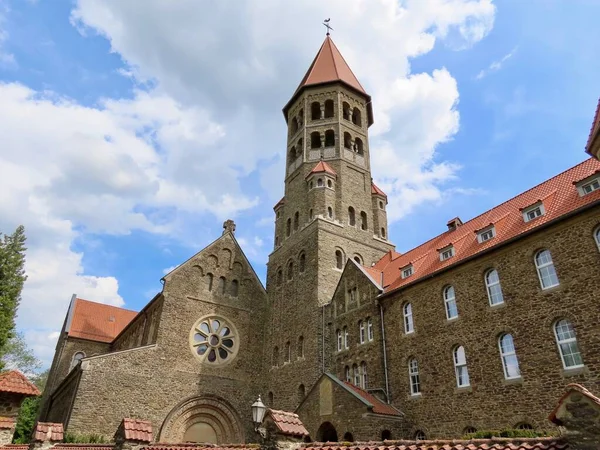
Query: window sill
[417, 396]
[551, 289]
[411, 333]
[512, 381]
[452, 320]
[574, 371]
[498, 305]
[463, 389]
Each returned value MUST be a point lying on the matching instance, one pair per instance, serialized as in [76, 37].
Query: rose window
[214, 340]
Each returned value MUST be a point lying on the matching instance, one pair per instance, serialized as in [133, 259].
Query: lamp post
[258, 413]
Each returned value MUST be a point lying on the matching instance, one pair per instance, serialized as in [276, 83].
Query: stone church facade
[482, 327]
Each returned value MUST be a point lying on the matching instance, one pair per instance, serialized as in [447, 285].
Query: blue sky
[130, 133]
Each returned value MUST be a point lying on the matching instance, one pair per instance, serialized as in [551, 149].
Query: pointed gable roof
[329, 66]
[97, 321]
[15, 382]
[594, 131]
[322, 167]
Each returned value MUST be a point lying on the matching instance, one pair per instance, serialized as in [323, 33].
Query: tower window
[356, 117]
[279, 277]
[358, 146]
[209, 281]
[294, 126]
[275, 361]
[329, 138]
[222, 285]
[292, 153]
[315, 111]
[346, 111]
[310, 214]
[296, 221]
[290, 270]
[315, 139]
[383, 232]
[330, 212]
[347, 141]
[302, 264]
[351, 217]
[235, 285]
[329, 184]
[380, 204]
[288, 227]
[300, 146]
[320, 182]
[361, 332]
[339, 259]
[300, 347]
[288, 352]
[364, 225]
[329, 111]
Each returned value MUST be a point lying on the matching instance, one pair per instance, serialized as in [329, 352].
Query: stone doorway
[327, 433]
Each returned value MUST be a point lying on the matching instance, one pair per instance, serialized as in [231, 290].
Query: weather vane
[326, 23]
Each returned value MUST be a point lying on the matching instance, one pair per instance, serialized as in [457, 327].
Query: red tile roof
[570, 388]
[137, 430]
[48, 431]
[474, 444]
[376, 191]
[97, 321]
[595, 130]
[15, 382]
[7, 423]
[15, 446]
[279, 203]
[558, 195]
[161, 446]
[322, 167]
[288, 423]
[84, 447]
[379, 407]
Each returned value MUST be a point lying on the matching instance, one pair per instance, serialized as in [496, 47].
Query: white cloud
[496, 65]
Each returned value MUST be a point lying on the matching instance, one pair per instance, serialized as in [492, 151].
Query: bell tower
[331, 211]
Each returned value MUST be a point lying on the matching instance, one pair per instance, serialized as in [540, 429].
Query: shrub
[508, 433]
[93, 438]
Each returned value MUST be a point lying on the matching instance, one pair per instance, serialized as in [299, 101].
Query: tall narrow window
[510, 363]
[347, 141]
[356, 119]
[288, 352]
[351, 217]
[315, 111]
[288, 227]
[340, 341]
[315, 139]
[302, 263]
[275, 361]
[209, 281]
[382, 233]
[597, 237]
[408, 319]
[290, 270]
[363, 373]
[369, 329]
[347, 374]
[364, 225]
[296, 221]
[329, 109]
[234, 288]
[76, 358]
[300, 347]
[346, 340]
[361, 332]
[329, 138]
[460, 366]
[545, 269]
[339, 259]
[356, 373]
[494, 290]
[358, 146]
[567, 344]
[222, 285]
[329, 212]
[450, 302]
[279, 277]
[413, 374]
[301, 393]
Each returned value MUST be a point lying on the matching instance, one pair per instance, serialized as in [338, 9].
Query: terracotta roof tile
[322, 167]
[97, 321]
[595, 130]
[84, 447]
[558, 194]
[288, 423]
[15, 446]
[379, 407]
[376, 191]
[15, 382]
[474, 444]
[161, 446]
[48, 431]
[137, 430]
[7, 423]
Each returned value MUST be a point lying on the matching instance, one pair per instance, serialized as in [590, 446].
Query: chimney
[453, 224]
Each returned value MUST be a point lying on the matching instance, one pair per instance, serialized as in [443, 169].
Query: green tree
[12, 278]
[18, 356]
[29, 411]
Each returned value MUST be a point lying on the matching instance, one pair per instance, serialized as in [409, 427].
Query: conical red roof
[321, 167]
[376, 191]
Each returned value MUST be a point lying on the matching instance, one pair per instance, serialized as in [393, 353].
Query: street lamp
[258, 412]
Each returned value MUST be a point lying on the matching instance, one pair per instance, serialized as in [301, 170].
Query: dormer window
[533, 212]
[588, 185]
[446, 253]
[486, 234]
[407, 271]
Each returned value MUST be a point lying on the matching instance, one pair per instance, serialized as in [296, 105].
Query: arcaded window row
[222, 288]
[365, 334]
[287, 352]
[358, 375]
[290, 268]
[566, 342]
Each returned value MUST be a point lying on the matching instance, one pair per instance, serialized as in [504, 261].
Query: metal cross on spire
[326, 23]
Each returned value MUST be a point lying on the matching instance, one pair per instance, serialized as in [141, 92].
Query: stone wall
[528, 313]
[60, 402]
[142, 330]
[10, 404]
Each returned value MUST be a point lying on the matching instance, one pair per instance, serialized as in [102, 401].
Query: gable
[355, 288]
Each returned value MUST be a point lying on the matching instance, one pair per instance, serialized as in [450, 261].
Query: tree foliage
[29, 411]
[12, 278]
[18, 356]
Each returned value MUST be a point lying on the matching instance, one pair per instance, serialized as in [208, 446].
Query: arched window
[357, 259]
[567, 344]
[351, 217]
[320, 182]
[450, 302]
[301, 117]
[329, 184]
[356, 117]
[78, 356]
[386, 435]
[329, 110]
[420, 435]
[279, 277]
[545, 269]
[276, 241]
[413, 375]
[288, 352]
[329, 138]
[340, 341]
[597, 237]
[288, 227]
[301, 393]
[346, 340]
[356, 373]
[275, 361]
[523, 426]
[348, 437]
[494, 290]
[382, 233]
[510, 363]
[460, 366]
[361, 332]
[290, 270]
[364, 224]
[347, 374]
[315, 139]
[369, 329]
[270, 398]
[329, 212]
[347, 141]
[222, 285]
[315, 111]
[310, 214]
[358, 146]
[301, 347]
[235, 285]
[300, 146]
[294, 126]
[346, 110]
[296, 221]
[469, 430]
[209, 281]
[339, 259]
[302, 262]
[408, 319]
[363, 373]
[292, 154]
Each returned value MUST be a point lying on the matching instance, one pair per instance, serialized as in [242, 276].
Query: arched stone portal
[327, 433]
[207, 419]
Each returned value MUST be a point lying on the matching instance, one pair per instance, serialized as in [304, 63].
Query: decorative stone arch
[214, 414]
[226, 258]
